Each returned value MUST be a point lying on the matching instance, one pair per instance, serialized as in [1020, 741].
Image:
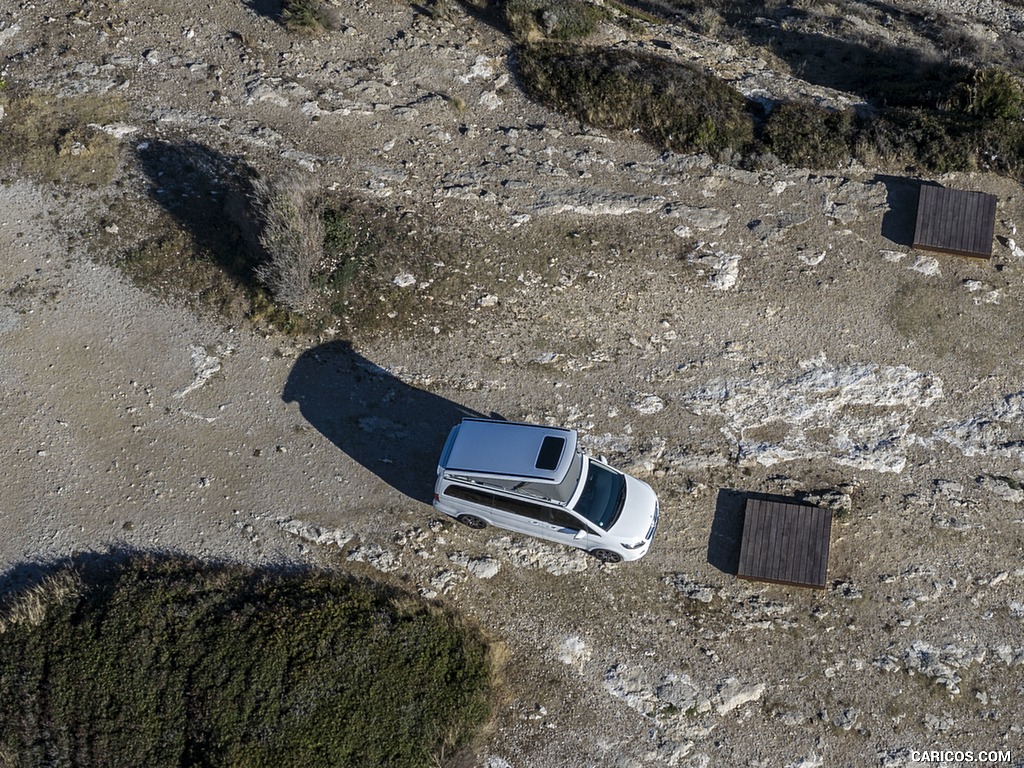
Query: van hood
[638, 511]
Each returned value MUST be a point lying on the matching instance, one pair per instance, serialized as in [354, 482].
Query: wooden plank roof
[955, 221]
[785, 543]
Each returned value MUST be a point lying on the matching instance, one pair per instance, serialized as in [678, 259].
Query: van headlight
[634, 546]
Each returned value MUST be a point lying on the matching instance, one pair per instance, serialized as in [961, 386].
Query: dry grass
[60, 139]
[30, 607]
[290, 212]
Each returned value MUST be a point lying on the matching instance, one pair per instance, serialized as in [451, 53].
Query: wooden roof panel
[955, 221]
[785, 543]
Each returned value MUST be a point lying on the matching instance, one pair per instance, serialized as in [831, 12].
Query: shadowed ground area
[392, 429]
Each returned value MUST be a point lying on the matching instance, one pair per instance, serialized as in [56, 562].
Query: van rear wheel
[606, 555]
[472, 521]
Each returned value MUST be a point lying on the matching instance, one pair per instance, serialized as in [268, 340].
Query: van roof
[510, 449]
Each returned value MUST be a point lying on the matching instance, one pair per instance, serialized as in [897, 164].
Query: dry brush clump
[309, 17]
[531, 20]
[30, 606]
[289, 210]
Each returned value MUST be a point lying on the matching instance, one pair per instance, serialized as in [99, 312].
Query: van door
[538, 520]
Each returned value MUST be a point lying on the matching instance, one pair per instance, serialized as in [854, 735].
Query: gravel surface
[711, 330]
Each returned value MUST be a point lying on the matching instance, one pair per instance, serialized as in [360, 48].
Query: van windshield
[604, 495]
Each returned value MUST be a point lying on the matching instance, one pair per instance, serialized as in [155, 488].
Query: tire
[472, 521]
[606, 555]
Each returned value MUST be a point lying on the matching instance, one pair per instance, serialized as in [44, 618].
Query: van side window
[563, 519]
[474, 495]
[522, 508]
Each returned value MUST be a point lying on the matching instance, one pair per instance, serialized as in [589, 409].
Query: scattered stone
[480, 567]
[997, 432]
[574, 652]
[846, 719]
[696, 218]
[546, 358]
[314, 533]
[732, 694]
[1006, 488]
[818, 413]
[531, 553]
[204, 366]
[941, 664]
[487, 300]
[647, 404]
[773, 227]
[378, 557]
[927, 265]
[724, 267]
[811, 259]
[702, 593]
[835, 500]
[404, 280]
[811, 761]
[443, 581]
[589, 202]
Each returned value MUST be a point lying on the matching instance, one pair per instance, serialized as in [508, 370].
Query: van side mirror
[580, 535]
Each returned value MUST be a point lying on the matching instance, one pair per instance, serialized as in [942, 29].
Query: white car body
[534, 480]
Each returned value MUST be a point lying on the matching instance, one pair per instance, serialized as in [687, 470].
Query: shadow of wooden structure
[955, 221]
[785, 543]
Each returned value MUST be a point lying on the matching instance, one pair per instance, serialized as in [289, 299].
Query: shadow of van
[394, 430]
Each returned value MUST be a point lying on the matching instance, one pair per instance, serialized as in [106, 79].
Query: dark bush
[804, 134]
[672, 105]
[162, 661]
[928, 140]
[989, 94]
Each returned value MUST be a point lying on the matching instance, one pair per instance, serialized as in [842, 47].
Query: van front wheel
[472, 521]
[606, 556]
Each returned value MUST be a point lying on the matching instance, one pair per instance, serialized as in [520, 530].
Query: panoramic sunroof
[550, 452]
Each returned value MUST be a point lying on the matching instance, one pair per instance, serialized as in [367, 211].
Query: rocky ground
[711, 330]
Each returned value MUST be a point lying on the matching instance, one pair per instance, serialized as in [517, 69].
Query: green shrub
[925, 139]
[311, 17]
[990, 94]
[806, 135]
[672, 105]
[161, 661]
[559, 19]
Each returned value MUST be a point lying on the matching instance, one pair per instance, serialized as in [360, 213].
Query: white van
[534, 480]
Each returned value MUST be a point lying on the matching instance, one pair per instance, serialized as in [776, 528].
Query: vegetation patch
[281, 251]
[803, 134]
[980, 128]
[530, 20]
[290, 211]
[165, 660]
[670, 104]
[60, 139]
[309, 17]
